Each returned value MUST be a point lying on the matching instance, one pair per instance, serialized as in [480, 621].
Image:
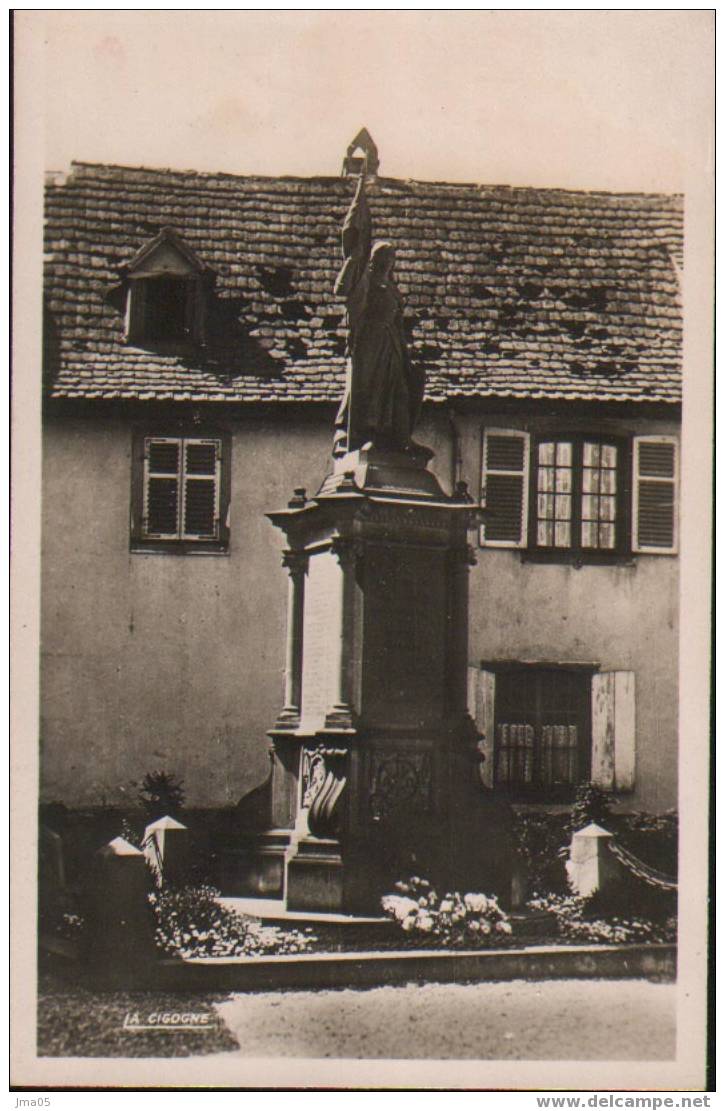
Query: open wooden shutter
[613, 730]
[136, 310]
[201, 489]
[654, 510]
[481, 696]
[505, 487]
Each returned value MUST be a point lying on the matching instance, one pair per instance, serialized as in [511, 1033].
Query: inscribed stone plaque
[321, 642]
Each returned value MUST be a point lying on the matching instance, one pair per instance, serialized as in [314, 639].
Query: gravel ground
[579, 1020]
[78, 1022]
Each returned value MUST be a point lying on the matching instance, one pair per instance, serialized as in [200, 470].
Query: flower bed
[454, 921]
[585, 921]
[190, 922]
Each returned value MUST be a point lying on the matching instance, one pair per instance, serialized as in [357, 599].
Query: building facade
[194, 357]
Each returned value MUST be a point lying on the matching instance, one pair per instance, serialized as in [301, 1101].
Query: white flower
[475, 902]
[485, 927]
[446, 906]
[474, 926]
[408, 923]
[399, 906]
[425, 923]
[503, 927]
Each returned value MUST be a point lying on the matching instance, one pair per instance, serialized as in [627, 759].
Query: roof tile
[510, 292]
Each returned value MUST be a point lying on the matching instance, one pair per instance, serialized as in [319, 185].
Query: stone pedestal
[376, 771]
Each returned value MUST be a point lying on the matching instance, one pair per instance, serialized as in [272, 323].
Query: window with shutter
[167, 287]
[654, 509]
[181, 493]
[505, 487]
[541, 726]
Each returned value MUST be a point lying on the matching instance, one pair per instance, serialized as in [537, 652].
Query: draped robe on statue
[383, 392]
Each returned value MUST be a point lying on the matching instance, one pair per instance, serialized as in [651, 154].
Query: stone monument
[376, 764]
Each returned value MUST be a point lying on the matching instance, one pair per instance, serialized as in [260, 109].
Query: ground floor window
[542, 739]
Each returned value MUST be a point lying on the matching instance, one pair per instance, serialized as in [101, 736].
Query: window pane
[563, 455]
[606, 536]
[589, 534]
[607, 509]
[562, 535]
[563, 507]
[545, 534]
[163, 457]
[563, 480]
[609, 455]
[589, 508]
[546, 453]
[545, 505]
[608, 480]
[546, 478]
[591, 455]
[590, 481]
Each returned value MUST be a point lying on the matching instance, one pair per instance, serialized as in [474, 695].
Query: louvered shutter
[505, 488]
[162, 478]
[201, 489]
[654, 510]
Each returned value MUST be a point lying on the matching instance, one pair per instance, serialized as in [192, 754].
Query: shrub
[455, 920]
[190, 922]
[581, 919]
[541, 842]
[160, 795]
[591, 804]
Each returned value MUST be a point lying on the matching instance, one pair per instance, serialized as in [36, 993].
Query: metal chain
[641, 870]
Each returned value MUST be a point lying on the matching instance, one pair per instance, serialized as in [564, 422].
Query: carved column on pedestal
[296, 564]
[347, 550]
[462, 558]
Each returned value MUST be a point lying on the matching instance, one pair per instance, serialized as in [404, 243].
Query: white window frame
[522, 474]
[673, 481]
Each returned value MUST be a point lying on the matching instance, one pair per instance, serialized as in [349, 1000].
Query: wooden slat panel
[624, 730]
[481, 695]
[603, 721]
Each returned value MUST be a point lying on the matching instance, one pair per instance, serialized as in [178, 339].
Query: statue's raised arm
[356, 239]
[383, 392]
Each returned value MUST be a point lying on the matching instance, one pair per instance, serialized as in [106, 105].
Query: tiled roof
[510, 292]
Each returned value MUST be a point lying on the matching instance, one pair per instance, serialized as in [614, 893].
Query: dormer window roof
[167, 286]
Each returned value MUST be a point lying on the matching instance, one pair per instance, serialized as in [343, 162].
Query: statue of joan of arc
[383, 392]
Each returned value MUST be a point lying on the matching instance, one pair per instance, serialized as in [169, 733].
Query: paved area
[580, 1020]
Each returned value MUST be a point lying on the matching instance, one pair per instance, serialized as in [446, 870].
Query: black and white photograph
[362, 415]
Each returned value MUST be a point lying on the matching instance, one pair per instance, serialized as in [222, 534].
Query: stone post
[120, 920]
[296, 564]
[166, 848]
[590, 867]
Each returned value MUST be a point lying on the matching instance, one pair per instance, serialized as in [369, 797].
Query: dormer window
[166, 294]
